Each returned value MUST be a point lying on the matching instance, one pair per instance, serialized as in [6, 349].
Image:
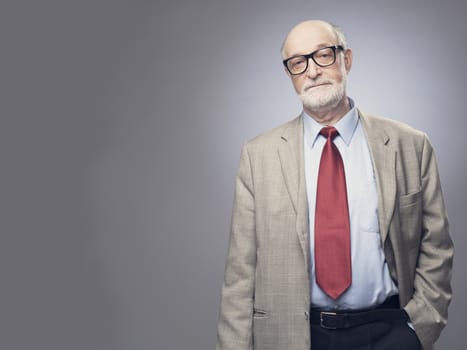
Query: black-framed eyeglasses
[323, 57]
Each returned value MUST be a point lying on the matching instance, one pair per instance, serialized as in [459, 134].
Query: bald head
[304, 34]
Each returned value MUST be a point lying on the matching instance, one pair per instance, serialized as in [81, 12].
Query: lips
[308, 87]
[321, 84]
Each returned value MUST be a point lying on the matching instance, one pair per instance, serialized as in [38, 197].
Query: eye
[298, 64]
[324, 54]
[298, 61]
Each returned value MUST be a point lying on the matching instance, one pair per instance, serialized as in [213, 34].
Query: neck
[330, 115]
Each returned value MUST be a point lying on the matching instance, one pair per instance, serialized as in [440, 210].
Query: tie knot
[329, 132]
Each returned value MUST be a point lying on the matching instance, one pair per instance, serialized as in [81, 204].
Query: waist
[391, 302]
[339, 319]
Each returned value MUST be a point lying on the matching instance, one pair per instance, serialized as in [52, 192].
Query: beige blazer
[266, 292]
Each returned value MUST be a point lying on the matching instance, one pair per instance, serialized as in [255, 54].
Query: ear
[348, 59]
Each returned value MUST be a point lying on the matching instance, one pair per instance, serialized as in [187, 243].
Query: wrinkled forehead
[307, 38]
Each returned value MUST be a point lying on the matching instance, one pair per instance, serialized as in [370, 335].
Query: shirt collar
[346, 126]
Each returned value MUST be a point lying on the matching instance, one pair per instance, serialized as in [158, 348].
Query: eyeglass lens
[323, 57]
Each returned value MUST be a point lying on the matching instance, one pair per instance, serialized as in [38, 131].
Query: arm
[236, 310]
[428, 308]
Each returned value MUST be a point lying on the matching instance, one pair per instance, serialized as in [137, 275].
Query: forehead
[307, 38]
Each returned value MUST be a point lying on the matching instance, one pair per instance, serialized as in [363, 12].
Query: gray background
[121, 128]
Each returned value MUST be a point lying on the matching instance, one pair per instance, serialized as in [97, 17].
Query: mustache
[310, 85]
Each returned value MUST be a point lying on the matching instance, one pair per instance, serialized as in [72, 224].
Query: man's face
[319, 88]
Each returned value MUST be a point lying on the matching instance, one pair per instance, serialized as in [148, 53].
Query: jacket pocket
[410, 215]
[265, 332]
[260, 313]
[410, 199]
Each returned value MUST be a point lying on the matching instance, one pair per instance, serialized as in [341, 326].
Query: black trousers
[380, 335]
[382, 328]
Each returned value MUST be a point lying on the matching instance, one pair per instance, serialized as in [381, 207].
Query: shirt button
[306, 315]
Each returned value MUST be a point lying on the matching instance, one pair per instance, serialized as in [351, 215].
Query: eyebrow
[319, 46]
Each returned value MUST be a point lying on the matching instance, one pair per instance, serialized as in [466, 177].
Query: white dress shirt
[371, 281]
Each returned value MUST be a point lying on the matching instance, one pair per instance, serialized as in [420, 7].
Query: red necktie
[332, 228]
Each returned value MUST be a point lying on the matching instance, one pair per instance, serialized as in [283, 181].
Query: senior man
[339, 236]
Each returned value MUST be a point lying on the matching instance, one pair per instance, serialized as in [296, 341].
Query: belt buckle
[321, 318]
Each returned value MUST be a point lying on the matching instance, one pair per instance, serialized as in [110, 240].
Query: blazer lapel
[384, 165]
[293, 170]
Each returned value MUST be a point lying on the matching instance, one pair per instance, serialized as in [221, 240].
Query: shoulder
[273, 137]
[395, 131]
[391, 126]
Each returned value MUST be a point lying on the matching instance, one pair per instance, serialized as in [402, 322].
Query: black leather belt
[338, 319]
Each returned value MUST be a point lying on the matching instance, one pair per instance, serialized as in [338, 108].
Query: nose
[313, 69]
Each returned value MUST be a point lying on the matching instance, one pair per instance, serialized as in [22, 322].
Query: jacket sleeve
[234, 329]
[428, 308]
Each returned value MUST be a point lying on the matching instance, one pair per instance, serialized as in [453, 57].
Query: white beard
[323, 97]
